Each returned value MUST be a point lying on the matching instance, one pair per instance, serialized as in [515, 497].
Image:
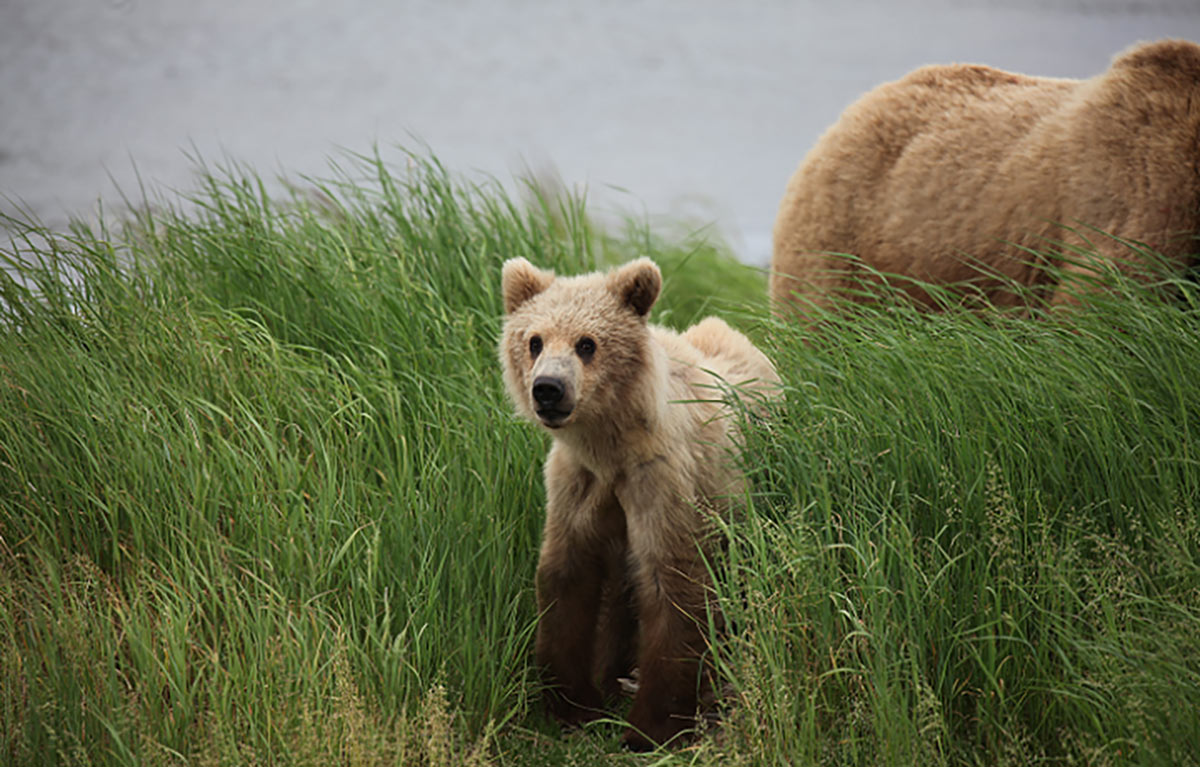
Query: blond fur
[954, 172]
[633, 473]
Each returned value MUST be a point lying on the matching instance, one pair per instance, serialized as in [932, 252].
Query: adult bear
[958, 173]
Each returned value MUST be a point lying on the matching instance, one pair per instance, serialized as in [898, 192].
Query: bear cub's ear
[521, 281]
[637, 284]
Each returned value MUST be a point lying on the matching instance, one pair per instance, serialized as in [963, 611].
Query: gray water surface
[700, 109]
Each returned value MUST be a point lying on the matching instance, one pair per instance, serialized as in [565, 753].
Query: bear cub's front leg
[595, 565]
[568, 597]
[586, 626]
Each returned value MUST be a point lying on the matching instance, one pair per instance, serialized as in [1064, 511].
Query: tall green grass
[262, 500]
[977, 536]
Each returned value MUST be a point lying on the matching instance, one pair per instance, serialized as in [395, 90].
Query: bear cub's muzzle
[553, 405]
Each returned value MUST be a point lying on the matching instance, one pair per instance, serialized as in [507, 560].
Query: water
[698, 109]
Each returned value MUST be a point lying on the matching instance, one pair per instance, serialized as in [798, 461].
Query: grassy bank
[262, 501]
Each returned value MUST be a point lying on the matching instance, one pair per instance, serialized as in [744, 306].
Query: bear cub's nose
[547, 391]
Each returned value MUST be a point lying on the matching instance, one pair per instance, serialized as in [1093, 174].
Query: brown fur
[634, 470]
[957, 168]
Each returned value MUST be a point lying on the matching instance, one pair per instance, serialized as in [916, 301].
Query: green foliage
[976, 537]
[262, 500]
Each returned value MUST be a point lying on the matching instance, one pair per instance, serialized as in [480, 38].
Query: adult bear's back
[953, 168]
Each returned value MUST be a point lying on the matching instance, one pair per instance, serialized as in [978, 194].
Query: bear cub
[641, 462]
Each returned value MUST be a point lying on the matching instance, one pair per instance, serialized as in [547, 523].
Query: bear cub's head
[573, 348]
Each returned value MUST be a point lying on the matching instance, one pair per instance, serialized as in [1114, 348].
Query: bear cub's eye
[535, 346]
[585, 348]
